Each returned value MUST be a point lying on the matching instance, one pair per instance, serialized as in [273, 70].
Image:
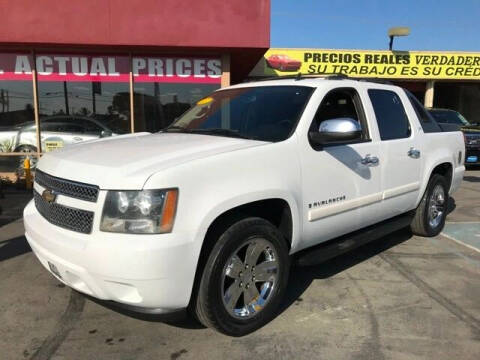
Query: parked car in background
[470, 131]
[283, 63]
[56, 131]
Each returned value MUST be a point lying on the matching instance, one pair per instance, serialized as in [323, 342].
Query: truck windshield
[265, 113]
[449, 117]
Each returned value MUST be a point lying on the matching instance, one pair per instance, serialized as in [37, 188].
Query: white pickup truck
[209, 213]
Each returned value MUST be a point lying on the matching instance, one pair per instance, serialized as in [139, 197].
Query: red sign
[110, 68]
[15, 67]
[82, 68]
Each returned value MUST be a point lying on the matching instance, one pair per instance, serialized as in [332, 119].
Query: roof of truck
[315, 81]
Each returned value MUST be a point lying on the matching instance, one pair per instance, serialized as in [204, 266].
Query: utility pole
[65, 91]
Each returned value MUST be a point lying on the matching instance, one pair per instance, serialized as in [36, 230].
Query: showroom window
[16, 109]
[164, 88]
[82, 98]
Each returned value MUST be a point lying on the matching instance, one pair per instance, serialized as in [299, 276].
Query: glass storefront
[84, 97]
[164, 88]
[158, 104]
[16, 111]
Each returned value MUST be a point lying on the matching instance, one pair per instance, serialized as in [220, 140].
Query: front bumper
[153, 272]
[472, 155]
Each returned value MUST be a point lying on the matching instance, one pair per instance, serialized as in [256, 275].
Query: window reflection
[16, 110]
[72, 112]
[158, 104]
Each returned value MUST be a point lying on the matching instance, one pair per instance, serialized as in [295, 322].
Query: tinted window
[336, 104]
[419, 109]
[449, 117]
[62, 128]
[391, 117]
[426, 120]
[340, 103]
[90, 127]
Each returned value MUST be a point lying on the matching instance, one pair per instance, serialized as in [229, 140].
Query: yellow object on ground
[28, 173]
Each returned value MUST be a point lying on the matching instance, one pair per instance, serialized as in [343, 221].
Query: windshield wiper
[221, 131]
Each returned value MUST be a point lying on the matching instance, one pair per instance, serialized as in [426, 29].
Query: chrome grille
[472, 139]
[64, 216]
[67, 187]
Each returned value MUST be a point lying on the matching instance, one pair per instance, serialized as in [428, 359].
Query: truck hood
[127, 161]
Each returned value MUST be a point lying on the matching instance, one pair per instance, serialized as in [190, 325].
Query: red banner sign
[110, 68]
[15, 67]
[82, 68]
[147, 69]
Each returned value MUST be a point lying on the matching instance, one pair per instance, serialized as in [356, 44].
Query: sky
[363, 24]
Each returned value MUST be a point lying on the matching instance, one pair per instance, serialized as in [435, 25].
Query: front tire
[244, 279]
[431, 213]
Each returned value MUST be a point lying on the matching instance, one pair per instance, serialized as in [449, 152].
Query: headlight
[139, 212]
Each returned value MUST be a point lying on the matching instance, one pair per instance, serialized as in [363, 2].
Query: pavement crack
[65, 325]
[432, 293]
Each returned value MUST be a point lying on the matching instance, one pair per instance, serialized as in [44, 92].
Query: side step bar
[345, 243]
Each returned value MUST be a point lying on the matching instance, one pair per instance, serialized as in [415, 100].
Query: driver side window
[340, 103]
[336, 104]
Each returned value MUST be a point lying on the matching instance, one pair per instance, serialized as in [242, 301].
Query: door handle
[413, 153]
[370, 160]
[77, 138]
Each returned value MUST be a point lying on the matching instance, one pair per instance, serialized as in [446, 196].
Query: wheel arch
[25, 146]
[280, 210]
[442, 167]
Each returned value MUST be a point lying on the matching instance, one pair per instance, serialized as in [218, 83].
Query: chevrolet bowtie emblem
[49, 196]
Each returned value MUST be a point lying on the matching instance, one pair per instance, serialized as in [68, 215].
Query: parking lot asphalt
[401, 297]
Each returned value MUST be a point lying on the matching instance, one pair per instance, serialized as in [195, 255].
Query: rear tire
[431, 213]
[244, 279]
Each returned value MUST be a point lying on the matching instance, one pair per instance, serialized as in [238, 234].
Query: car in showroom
[283, 62]
[471, 132]
[56, 132]
[208, 214]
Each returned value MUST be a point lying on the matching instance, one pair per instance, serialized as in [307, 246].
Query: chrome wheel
[436, 206]
[249, 278]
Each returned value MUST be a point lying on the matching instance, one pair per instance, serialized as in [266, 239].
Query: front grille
[472, 139]
[64, 216]
[67, 187]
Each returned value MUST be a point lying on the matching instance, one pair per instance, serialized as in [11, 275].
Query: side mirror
[105, 133]
[336, 131]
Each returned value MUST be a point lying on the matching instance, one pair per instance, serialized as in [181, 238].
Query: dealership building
[91, 69]
[88, 69]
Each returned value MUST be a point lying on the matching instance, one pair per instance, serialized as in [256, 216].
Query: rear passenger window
[426, 121]
[391, 117]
